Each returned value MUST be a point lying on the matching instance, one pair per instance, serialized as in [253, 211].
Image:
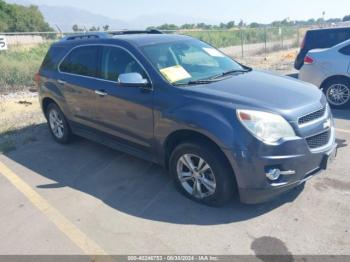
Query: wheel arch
[333, 77]
[46, 101]
[185, 135]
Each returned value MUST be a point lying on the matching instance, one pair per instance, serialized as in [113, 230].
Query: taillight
[308, 60]
[37, 79]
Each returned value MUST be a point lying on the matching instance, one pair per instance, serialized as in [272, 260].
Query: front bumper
[250, 167]
[254, 196]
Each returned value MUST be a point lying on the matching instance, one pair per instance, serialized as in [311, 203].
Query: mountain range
[65, 17]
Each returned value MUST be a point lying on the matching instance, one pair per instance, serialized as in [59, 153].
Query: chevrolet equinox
[218, 126]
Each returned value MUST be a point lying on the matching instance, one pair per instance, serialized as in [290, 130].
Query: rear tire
[210, 180]
[58, 124]
[337, 92]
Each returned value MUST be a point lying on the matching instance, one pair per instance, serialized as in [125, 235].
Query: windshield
[189, 61]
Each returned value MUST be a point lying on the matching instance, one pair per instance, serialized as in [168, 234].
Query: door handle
[101, 92]
[61, 82]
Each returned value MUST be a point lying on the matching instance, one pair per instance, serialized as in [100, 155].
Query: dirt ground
[281, 62]
[19, 111]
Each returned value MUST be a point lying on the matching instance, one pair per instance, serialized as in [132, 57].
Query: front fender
[214, 122]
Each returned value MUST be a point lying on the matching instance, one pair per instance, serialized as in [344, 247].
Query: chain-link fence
[25, 51]
[236, 42]
[250, 41]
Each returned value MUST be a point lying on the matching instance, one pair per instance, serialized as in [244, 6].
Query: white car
[329, 69]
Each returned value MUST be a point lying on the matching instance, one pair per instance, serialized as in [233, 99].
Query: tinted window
[52, 58]
[82, 61]
[345, 50]
[326, 38]
[116, 61]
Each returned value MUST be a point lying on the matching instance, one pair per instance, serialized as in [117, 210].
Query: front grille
[313, 116]
[319, 140]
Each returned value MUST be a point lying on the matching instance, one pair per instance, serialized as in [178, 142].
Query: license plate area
[329, 158]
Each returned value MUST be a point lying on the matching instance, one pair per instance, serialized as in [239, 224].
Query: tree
[105, 27]
[333, 20]
[94, 29]
[311, 21]
[222, 26]
[203, 26]
[76, 28]
[167, 27]
[241, 24]
[254, 25]
[320, 20]
[346, 18]
[188, 26]
[230, 24]
[19, 18]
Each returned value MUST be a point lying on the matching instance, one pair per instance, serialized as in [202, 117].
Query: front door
[124, 111]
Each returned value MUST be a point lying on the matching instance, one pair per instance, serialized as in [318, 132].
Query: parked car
[321, 38]
[329, 69]
[216, 125]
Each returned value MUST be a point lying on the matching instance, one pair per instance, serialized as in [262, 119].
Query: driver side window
[116, 61]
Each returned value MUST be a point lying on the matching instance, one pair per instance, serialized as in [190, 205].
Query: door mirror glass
[133, 79]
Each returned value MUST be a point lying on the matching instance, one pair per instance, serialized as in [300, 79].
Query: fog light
[273, 174]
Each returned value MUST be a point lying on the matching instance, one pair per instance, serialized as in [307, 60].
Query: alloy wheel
[56, 123]
[338, 94]
[196, 176]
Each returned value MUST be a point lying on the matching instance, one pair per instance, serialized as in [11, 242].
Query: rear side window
[82, 61]
[345, 50]
[52, 58]
[326, 38]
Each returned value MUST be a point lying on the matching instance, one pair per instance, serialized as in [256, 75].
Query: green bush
[18, 66]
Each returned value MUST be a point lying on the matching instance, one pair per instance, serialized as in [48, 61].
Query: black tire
[67, 135]
[328, 89]
[224, 177]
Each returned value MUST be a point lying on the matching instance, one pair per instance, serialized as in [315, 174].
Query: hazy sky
[213, 10]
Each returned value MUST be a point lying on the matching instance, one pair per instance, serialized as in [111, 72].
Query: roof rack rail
[85, 36]
[131, 32]
[95, 35]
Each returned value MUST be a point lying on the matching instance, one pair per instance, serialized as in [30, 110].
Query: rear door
[124, 111]
[78, 80]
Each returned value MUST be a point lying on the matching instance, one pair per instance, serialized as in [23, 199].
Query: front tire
[337, 92]
[201, 173]
[58, 124]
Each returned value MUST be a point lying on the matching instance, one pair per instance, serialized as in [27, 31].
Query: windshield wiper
[232, 72]
[197, 82]
[213, 78]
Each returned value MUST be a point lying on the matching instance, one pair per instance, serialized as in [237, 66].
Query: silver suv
[329, 69]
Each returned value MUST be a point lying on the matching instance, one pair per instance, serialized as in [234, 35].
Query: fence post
[265, 38]
[242, 42]
[282, 38]
[298, 35]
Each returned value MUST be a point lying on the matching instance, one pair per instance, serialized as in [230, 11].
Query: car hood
[264, 91]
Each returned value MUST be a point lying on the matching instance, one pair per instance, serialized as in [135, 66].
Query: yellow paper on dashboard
[175, 73]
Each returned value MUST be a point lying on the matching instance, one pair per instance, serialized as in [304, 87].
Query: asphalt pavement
[85, 198]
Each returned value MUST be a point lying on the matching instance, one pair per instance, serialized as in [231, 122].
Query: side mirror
[133, 79]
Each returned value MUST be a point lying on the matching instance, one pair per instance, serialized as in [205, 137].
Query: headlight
[267, 127]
